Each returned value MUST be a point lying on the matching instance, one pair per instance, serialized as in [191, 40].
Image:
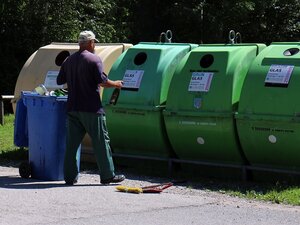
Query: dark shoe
[115, 179]
[71, 183]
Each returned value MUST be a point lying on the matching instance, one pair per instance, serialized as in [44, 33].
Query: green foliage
[282, 20]
[26, 25]
[95, 15]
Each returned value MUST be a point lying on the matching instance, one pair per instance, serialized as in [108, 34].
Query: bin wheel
[25, 170]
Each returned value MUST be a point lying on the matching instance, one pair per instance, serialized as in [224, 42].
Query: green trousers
[78, 124]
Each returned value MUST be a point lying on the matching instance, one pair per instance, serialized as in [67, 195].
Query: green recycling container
[203, 96]
[135, 122]
[268, 118]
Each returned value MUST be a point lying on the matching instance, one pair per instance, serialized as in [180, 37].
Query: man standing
[83, 73]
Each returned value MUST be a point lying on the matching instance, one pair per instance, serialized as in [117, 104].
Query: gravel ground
[29, 201]
[181, 187]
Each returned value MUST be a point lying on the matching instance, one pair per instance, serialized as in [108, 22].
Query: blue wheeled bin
[21, 125]
[46, 117]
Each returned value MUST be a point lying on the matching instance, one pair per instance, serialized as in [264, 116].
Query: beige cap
[86, 35]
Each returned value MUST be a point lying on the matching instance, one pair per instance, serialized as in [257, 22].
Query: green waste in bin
[202, 99]
[135, 123]
[268, 118]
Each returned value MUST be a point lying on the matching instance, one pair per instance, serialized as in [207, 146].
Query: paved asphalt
[29, 201]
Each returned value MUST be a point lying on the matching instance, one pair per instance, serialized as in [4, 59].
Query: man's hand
[118, 83]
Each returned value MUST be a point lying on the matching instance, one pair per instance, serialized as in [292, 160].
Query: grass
[279, 192]
[8, 151]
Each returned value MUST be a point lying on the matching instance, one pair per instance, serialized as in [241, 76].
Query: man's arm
[110, 83]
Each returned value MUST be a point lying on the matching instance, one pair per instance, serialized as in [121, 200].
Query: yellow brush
[136, 190]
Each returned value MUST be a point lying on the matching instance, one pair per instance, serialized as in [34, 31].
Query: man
[83, 73]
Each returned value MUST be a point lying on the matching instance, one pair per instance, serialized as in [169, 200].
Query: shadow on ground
[149, 175]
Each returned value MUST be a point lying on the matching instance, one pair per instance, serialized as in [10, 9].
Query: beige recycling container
[43, 65]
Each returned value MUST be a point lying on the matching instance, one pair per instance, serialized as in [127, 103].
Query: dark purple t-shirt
[83, 72]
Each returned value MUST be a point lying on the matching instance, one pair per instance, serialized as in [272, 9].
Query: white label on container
[50, 80]
[132, 79]
[279, 74]
[200, 81]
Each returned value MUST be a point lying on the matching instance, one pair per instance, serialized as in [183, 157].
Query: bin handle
[161, 35]
[62, 98]
[169, 36]
[231, 37]
[166, 36]
[234, 37]
[238, 37]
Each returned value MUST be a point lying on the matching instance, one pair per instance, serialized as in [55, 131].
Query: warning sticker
[132, 79]
[279, 74]
[200, 81]
[50, 80]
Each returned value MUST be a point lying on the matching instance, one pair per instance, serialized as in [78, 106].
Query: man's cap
[86, 35]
